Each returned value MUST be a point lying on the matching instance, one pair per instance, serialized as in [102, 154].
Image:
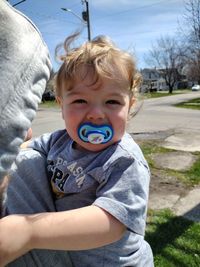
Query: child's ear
[60, 103]
[59, 100]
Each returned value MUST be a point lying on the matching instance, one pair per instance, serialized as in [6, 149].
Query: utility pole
[86, 17]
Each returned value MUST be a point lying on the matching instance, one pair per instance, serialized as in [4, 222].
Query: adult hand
[27, 139]
[29, 135]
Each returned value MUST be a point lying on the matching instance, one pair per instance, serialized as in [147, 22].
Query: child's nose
[95, 113]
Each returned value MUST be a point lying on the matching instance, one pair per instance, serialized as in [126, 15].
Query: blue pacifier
[95, 134]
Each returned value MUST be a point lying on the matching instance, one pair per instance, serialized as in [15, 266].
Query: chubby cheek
[71, 121]
[119, 130]
[119, 124]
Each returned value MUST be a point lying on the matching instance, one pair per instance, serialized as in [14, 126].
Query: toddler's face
[103, 102]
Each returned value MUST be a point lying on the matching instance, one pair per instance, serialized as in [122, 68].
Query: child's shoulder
[57, 135]
[127, 151]
[128, 146]
[46, 141]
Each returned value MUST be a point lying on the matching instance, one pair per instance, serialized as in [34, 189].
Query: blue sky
[132, 24]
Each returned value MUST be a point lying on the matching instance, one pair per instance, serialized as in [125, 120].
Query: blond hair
[106, 60]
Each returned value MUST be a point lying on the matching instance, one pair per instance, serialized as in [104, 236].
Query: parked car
[196, 87]
[48, 96]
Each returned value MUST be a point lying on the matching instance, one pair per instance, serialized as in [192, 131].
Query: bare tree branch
[165, 54]
[191, 44]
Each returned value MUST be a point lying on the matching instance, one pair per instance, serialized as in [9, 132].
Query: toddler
[87, 183]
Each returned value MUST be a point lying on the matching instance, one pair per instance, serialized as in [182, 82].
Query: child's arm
[78, 229]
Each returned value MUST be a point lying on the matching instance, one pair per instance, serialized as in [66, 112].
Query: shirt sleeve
[124, 193]
[47, 141]
[29, 190]
[42, 143]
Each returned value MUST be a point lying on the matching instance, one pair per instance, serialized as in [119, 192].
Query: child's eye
[79, 101]
[113, 102]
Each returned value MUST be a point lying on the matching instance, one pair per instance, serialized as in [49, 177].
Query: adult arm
[24, 70]
[79, 229]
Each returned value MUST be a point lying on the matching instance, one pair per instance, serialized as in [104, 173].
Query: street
[156, 114]
[159, 114]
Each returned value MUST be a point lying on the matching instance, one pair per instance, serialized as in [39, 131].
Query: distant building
[153, 80]
[150, 77]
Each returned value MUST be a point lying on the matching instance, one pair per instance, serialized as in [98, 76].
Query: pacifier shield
[95, 134]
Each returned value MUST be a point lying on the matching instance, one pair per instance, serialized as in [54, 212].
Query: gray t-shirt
[115, 179]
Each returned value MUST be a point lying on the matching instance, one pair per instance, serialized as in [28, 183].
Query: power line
[130, 10]
[49, 17]
[17, 2]
[75, 5]
[142, 32]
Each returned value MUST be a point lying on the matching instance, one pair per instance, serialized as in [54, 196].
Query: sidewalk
[164, 191]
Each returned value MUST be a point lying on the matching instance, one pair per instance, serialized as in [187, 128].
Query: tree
[191, 41]
[165, 56]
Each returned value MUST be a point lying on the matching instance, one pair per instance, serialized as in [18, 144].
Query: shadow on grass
[194, 214]
[175, 241]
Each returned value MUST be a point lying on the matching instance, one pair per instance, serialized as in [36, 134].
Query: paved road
[47, 120]
[159, 114]
[156, 114]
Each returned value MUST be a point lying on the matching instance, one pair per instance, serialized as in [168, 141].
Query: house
[150, 78]
[153, 80]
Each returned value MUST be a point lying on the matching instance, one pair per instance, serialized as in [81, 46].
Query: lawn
[164, 93]
[175, 241]
[189, 177]
[192, 104]
[49, 104]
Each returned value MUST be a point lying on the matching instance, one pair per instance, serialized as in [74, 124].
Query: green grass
[193, 175]
[165, 93]
[150, 148]
[175, 241]
[192, 104]
[190, 177]
[49, 104]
